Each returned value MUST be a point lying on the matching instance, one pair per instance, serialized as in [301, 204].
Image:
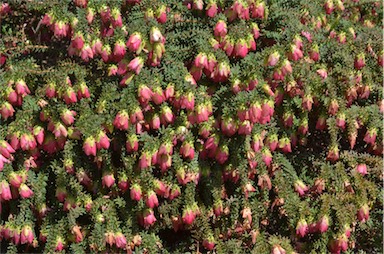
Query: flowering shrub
[167, 126]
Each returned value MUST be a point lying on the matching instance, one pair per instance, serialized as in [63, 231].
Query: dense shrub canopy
[169, 126]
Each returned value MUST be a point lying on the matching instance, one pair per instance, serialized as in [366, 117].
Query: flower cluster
[238, 124]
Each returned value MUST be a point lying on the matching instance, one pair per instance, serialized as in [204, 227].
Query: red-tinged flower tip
[363, 213]
[301, 228]
[27, 142]
[277, 249]
[76, 230]
[4, 9]
[134, 42]
[222, 154]
[15, 232]
[106, 52]
[322, 73]
[110, 238]
[329, 6]
[25, 191]
[340, 121]
[211, 9]
[83, 91]
[161, 14]
[136, 64]
[323, 224]
[144, 93]
[16, 179]
[241, 48]
[174, 191]
[145, 160]
[69, 96]
[228, 127]
[121, 121]
[5, 191]
[273, 58]
[218, 208]
[26, 235]
[359, 61]
[120, 240]
[267, 156]
[167, 115]
[6, 149]
[333, 107]
[102, 141]
[362, 169]
[132, 144]
[21, 88]
[149, 218]
[370, 136]
[77, 41]
[258, 10]
[6, 110]
[136, 192]
[314, 54]
[50, 90]
[300, 187]
[81, 3]
[68, 116]
[245, 128]
[288, 119]
[187, 150]
[380, 59]
[59, 245]
[321, 123]
[158, 95]
[108, 180]
[209, 243]
[220, 29]
[295, 53]
[151, 200]
[89, 146]
[333, 154]
[116, 19]
[60, 29]
[188, 216]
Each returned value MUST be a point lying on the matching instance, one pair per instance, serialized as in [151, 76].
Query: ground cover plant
[196, 126]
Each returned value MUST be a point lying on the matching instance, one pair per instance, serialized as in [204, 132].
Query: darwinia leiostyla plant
[204, 126]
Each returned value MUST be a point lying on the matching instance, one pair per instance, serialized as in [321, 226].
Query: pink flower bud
[300, 187]
[134, 42]
[59, 246]
[301, 228]
[25, 191]
[273, 58]
[121, 120]
[135, 192]
[26, 235]
[220, 29]
[363, 213]
[6, 110]
[89, 146]
[322, 224]
[120, 241]
[108, 180]
[362, 169]
[151, 200]
[211, 9]
[149, 218]
[5, 191]
[188, 216]
[258, 10]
